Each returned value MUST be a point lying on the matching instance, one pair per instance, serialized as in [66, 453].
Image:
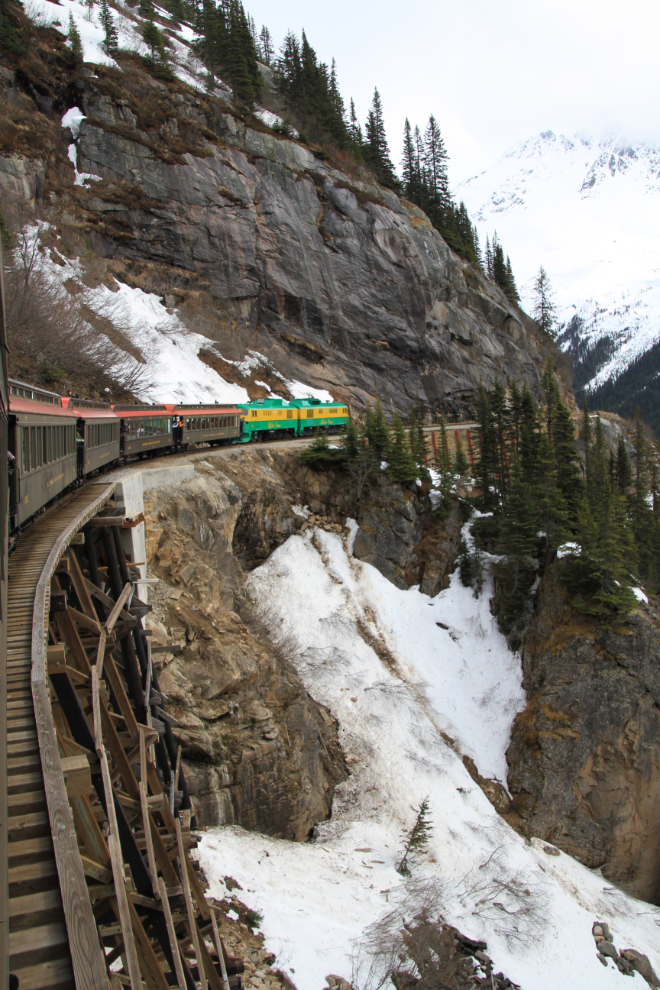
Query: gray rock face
[584, 755]
[334, 279]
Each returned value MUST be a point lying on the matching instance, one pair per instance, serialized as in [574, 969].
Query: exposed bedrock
[259, 245]
[584, 760]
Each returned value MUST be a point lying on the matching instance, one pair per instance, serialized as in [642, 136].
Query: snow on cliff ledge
[533, 905]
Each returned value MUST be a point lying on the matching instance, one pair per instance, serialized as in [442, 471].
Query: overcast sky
[491, 73]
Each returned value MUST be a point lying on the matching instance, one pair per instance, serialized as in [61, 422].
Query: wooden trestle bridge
[102, 892]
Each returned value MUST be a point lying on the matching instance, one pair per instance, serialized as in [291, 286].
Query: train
[56, 442]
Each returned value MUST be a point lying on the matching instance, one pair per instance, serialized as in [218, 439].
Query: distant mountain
[589, 211]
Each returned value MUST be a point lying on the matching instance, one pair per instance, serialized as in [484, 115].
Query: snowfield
[406, 709]
[588, 210]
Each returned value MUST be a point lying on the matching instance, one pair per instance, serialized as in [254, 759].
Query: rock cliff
[584, 761]
[257, 243]
[258, 751]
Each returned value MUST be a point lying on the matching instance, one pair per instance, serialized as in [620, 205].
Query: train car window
[26, 450]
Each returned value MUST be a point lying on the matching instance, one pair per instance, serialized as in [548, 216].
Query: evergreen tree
[461, 463]
[378, 434]
[487, 451]
[75, 41]
[351, 441]
[153, 38]
[402, 467]
[110, 42]
[408, 162]
[516, 574]
[418, 440]
[355, 138]
[544, 312]
[311, 90]
[435, 170]
[416, 840]
[623, 475]
[377, 152]
[489, 259]
[585, 436]
[266, 49]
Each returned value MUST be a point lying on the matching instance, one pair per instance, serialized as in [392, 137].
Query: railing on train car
[4, 519]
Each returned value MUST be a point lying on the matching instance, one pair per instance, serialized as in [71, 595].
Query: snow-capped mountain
[588, 211]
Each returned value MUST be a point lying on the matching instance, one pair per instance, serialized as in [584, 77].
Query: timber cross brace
[119, 809]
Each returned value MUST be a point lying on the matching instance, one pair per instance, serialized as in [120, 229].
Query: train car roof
[71, 402]
[125, 412]
[17, 404]
[25, 391]
[87, 414]
[207, 410]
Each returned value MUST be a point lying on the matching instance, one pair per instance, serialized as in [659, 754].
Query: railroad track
[38, 942]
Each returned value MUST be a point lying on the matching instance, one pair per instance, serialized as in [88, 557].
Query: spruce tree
[377, 430]
[623, 470]
[544, 311]
[110, 43]
[418, 441]
[266, 48]
[401, 467]
[461, 463]
[75, 41]
[416, 840]
[377, 152]
[516, 574]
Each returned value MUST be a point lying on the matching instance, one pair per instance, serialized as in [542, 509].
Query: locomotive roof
[284, 404]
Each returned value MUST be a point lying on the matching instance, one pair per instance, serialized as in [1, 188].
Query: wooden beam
[220, 949]
[183, 864]
[118, 874]
[174, 944]
[118, 606]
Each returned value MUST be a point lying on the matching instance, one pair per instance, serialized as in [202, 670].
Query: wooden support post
[118, 874]
[174, 944]
[118, 606]
[194, 931]
[220, 949]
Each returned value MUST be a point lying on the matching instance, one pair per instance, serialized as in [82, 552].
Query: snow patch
[442, 672]
[639, 595]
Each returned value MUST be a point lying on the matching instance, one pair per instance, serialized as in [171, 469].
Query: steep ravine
[255, 242]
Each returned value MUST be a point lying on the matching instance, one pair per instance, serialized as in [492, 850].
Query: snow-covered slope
[442, 673]
[588, 211]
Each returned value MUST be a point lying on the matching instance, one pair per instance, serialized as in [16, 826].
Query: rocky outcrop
[401, 537]
[584, 759]
[259, 244]
[258, 751]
